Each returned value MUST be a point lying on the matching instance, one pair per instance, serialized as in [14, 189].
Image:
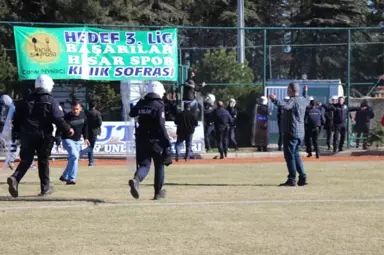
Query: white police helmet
[335, 97]
[156, 87]
[311, 98]
[286, 99]
[232, 102]
[7, 100]
[44, 81]
[210, 99]
[264, 100]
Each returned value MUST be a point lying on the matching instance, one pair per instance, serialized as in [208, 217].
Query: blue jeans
[73, 148]
[89, 151]
[292, 157]
[188, 144]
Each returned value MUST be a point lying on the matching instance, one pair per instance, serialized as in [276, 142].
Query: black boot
[13, 186]
[288, 183]
[47, 192]
[134, 184]
[302, 181]
[160, 195]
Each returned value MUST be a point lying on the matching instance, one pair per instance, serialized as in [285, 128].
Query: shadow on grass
[22, 183]
[215, 185]
[49, 199]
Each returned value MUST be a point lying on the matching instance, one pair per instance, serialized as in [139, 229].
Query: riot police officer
[313, 121]
[222, 120]
[232, 129]
[152, 140]
[209, 128]
[32, 122]
[262, 113]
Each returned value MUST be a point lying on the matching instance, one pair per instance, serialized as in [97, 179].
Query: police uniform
[152, 140]
[222, 120]
[232, 110]
[262, 113]
[313, 121]
[33, 121]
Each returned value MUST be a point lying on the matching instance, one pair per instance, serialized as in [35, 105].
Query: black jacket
[190, 88]
[94, 121]
[313, 118]
[208, 117]
[329, 115]
[151, 118]
[186, 122]
[363, 117]
[233, 112]
[222, 118]
[340, 113]
[36, 113]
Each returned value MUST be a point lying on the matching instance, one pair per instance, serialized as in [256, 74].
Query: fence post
[348, 85]
[265, 59]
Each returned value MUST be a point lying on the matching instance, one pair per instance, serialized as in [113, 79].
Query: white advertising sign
[118, 138]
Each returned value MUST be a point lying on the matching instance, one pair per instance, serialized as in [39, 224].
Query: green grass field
[340, 212]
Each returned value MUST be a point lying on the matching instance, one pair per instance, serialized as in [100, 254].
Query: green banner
[96, 54]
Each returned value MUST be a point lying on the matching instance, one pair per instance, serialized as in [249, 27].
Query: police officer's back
[313, 121]
[33, 121]
[152, 140]
[221, 117]
[222, 120]
[314, 117]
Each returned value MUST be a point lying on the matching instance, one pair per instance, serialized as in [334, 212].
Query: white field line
[166, 204]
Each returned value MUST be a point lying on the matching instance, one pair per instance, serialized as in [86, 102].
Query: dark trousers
[145, 152]
[362, 131]
[292, 157]
[92, 141]
[329, 135]
[339, 130]
[280, 141]
[188, 144]
[222, 139]
[208, 130]
[232, 137]
[42, 146]
[311, 138]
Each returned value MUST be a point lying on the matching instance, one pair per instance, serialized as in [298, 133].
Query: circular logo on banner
[42, 48]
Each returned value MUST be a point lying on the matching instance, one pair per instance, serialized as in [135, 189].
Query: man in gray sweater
[293, 131]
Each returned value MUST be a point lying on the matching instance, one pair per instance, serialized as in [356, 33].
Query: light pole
[240, 32]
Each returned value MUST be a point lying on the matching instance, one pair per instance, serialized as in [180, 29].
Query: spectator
[293, 132]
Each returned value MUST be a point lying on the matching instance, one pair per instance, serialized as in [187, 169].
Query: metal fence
[353, 54]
